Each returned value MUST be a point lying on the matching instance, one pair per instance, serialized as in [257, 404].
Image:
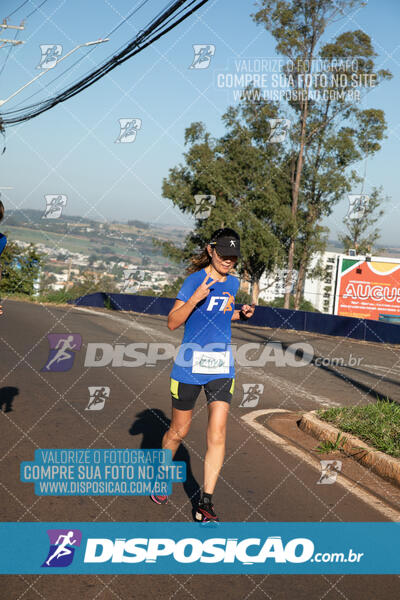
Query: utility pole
[4, 25]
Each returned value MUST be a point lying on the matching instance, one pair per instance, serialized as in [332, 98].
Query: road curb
[351, 486]
[380, 463]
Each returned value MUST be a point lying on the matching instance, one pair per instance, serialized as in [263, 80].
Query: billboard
[368, 289]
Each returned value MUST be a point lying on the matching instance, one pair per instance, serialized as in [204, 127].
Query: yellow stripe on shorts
[232, 386]
[174, 388]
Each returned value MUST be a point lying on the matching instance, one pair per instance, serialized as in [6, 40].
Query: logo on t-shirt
[222, 303]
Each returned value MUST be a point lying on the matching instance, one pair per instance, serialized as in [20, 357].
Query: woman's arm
[179, 313]
[181, 310]
[236, 315]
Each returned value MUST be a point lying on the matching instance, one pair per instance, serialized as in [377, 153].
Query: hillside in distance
[127, 241]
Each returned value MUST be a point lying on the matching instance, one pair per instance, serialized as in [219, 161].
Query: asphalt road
[260, 481]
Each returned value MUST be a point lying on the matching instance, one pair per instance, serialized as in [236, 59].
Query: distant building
[317, 291]
[320, 290]
[272, 285]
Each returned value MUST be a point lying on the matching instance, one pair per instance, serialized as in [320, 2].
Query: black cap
[227, 246]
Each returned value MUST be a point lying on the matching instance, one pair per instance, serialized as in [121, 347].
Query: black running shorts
[184, 395]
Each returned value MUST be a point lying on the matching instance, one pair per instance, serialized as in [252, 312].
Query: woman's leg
[216, 434]
[179, 428]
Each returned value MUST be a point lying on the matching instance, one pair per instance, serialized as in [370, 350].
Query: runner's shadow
[152, 424]
[6, 397]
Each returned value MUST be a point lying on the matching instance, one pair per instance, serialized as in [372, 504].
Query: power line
[22, 5]
[37, 8]
[22, 25]
[9, 52]
[124, 20]
[12, 43]
[158, 27]
[17, 9]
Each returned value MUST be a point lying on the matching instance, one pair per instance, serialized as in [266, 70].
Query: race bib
[210, 362]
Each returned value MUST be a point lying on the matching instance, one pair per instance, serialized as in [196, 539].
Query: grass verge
[378, 423]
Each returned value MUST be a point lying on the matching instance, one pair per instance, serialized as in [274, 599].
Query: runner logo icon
[62, 351]
[128, 130]
[203, 54]
[98, 397]
[50, 55]
[54, 205]
[279, 130]
[329, 471]
[204, 202]
[62, 547]
[251, 394]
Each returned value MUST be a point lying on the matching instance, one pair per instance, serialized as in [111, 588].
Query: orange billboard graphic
[368, 289]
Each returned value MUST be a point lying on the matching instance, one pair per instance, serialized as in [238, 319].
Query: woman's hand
[181, 310]
[247, 310]
[202, 291]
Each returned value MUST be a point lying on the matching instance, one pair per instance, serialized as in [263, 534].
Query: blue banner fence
[264, 316]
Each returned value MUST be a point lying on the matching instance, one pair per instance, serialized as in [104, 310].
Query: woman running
[206, 305]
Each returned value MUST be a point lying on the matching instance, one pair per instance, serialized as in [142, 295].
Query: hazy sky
[71, 149]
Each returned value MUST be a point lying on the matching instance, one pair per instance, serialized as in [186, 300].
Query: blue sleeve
[188, 287]
[3, 242]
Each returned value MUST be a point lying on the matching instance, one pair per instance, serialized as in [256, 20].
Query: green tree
[239, 170]
[362, 234]
[19, 269]
[171, 290]
[330, 133]
[304, 304]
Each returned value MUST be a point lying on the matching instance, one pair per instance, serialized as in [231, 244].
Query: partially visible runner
[206, 305]
[3, 242]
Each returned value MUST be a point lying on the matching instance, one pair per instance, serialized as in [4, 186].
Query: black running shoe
[159, 499]
[205, 512]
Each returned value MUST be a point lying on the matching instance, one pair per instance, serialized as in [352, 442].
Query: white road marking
[293, 390]
[370, 499]
[146, 328]
[389, 370]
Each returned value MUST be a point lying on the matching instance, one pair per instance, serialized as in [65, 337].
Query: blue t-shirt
[3, 242]
[207, 332]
